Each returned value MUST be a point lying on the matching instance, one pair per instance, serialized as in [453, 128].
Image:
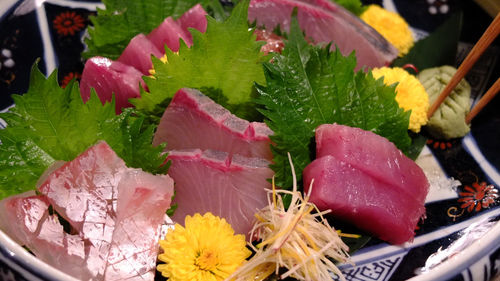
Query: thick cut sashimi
[118, 210]
[116, 215]
[63, 251]
[192, 120]
[374, 155]
[109, 77]
[142, 201]
[366, 180]
[26, 219]
[360, 199]
[210, 181]
[138, 54]
[194, 18]
[324, 4]
[324, 23]
[20, 215]
[84, 192]
[168, 33]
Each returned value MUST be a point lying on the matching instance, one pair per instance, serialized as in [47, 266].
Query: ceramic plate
[460, 238]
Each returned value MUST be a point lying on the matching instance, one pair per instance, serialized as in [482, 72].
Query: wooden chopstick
[483, 101]
[488, 36]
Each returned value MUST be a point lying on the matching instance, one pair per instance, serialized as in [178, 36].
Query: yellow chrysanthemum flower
[391, 25]
[410, 94]
[206, 249]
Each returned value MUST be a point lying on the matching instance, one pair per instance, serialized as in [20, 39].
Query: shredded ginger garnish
[293, 238]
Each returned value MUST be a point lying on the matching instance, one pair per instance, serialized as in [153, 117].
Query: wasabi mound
[448, 121]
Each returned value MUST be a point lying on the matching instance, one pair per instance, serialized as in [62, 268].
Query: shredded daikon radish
[295, 239]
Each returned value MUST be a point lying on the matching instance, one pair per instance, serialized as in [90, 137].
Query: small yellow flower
[410, 94]
[391, 25]
[206, 249]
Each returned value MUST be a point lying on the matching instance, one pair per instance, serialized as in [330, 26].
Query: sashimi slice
[324, 4]
[138, 54]
[374, 155]
[210, 181]
[20, 215]
[109, 77]
[141, 205]
[194, 18]
[88, 181]
[192, 120]
[84, 192]
[63, 251]
[360, 199]
[168, 33]
[118, 210]
[324, 23]
[26, 219]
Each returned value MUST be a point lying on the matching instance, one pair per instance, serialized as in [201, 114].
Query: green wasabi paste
[449, 120]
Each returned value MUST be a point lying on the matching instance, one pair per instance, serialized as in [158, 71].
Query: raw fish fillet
[98, 195]
[84, 192]
[123, 77]
[374, 155]
[138, 54]
[141, 205]
[26, 219]
[326, 22]
[168, 33]
[210, 181]
[194, 18]
[192, 120]
[360, 199]
[27, 208]
[109, 77]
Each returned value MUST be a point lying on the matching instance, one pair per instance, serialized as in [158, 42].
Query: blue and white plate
[459, 239]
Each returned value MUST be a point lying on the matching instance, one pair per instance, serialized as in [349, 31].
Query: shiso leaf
[131, 137]
[437, 49]
[225, 59]
[121, 20]
[308, 86]
[418, 142]
[48, 124]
